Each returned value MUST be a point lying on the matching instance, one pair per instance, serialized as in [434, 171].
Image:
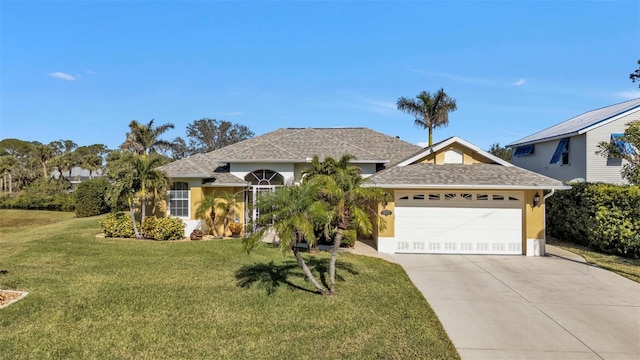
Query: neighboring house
[77, 176]
[452, 197]
[569, 150]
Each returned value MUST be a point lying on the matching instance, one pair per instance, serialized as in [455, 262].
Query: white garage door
[458, 222]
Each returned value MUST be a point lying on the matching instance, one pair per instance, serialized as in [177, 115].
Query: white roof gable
[582, 123]
[443, 144]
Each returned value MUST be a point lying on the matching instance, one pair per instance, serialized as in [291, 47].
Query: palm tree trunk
[10, 184]
[332, 262]
[430, 135]
[307, 272]
[133, 219]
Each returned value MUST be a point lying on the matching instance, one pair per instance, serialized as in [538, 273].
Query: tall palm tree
[350, 205]
[430, 111]
[42, 153]
[145, 139]
[291, 212]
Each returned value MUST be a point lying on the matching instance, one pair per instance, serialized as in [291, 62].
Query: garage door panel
[469, 229]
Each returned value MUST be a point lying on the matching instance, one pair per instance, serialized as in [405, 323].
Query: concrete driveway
[517, 307]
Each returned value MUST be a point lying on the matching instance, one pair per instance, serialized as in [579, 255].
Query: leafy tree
[350, 205]
[626, 147]
[206, 134]
[7, 166]
[502, 152]
[430, 110]
[635, 76]
[180, 149]
[291, 212]
[145, 139]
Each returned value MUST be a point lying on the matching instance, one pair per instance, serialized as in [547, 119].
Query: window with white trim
[179, 199]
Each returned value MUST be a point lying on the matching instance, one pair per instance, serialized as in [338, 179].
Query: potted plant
[235, 228]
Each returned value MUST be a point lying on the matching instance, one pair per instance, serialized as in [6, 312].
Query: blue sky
[82, 70]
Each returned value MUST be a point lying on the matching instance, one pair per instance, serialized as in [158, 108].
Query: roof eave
[551, 138]
[469, 186]
[225, 185]
[305, 160]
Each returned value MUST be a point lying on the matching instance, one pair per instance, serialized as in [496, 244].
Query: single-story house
[452, 197]
[568, 151]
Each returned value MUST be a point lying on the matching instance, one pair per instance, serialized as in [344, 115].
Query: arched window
[179, 199]
[265, 177]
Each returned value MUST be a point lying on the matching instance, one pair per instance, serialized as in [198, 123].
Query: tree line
[22, 162]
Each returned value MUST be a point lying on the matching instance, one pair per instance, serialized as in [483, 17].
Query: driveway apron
[518, 307]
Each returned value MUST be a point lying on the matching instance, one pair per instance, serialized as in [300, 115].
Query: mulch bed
[8, 297]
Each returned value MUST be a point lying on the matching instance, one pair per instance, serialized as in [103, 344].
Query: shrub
[90, 197]
[603, 217]
[169, 228]
[120, 225]
[148, 228]
[117, 225]
[43, 194]
[348, 238]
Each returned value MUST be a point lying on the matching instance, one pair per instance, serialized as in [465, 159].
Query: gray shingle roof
[580, 123]
[200, 166]
[463, 176]
[293, 145]
[299, 144]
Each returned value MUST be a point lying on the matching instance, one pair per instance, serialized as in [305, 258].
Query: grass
[128, 299]
[629, 268]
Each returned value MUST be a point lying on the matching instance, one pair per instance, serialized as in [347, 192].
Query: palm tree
[137, 179]
[430, 111]
[291, 212]
[144, 139]
[350, 205]
[206, 209]
[42, 153]
[227, 207]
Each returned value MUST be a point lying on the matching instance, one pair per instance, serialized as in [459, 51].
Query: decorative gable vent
[453, 157]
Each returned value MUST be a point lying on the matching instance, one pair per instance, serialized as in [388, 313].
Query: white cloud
[62, 76]
[368, 104]
[423, 144]
[520, 82]
[629, 94]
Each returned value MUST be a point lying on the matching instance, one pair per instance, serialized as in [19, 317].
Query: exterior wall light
[536, 199]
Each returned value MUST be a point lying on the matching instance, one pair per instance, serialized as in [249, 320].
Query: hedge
[603, 217]
[90, 197]
[120, 225]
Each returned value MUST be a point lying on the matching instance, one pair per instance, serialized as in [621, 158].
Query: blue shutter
[523, 151]
[562, 146]
[625, 147]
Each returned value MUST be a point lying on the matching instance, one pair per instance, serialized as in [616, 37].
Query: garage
[459, 222]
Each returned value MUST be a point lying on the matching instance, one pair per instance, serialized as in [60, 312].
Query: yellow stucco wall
[468, 156]
[390, 220]
[216, 192]
[533, 219]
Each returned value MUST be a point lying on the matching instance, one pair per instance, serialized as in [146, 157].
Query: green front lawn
[629, 268]
[102, 298]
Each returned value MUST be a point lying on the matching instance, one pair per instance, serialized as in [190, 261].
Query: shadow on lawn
[271, 276]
